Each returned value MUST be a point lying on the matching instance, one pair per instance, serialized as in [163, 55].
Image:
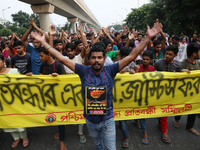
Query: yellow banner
[44, 100]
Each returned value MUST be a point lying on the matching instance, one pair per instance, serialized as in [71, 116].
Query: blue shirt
[98, 80]
[35, 58]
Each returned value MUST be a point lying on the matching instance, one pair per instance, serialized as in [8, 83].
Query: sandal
[125, 144]
[25, 142]
[82, 138]
[195, 132]
[144, 140]
[165, 139]
[176, 124]
[15, 143]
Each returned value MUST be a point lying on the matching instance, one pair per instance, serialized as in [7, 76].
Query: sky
[107, 12]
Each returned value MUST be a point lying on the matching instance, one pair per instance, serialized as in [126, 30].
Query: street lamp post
[3, 12]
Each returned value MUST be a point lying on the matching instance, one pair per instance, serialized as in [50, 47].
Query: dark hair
[192, 48]
[125, 51]
[160, 38]
[42, 49]
[124, 36]
[70, 45]
[148, 53]
[132, 44]
[77, 42]
[173, 48]
[1, 57]
[88, 34]
[176, 37]
[140, 34]
[184, 32]
[97, 48]
[56, 41]
[116, 34]
[106, 42]
[181, 38]
[17, 43]
[3, 45]
[156, 42]
[99, 43]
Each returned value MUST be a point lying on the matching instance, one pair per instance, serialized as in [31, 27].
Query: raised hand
[52, 30]
[38, 37]
[157, 28]
[32, 22]
[131, 36]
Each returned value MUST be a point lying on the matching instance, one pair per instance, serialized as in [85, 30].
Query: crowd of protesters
[37, 53]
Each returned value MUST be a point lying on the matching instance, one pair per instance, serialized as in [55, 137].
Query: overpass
[71, 9]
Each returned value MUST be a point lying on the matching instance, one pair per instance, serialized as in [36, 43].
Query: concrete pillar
[44, 11]
[84, 26]
[73, 21]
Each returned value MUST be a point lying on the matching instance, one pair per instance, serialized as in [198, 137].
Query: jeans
[143, 125]
[61, 129]
[124, 128]
[103, 133]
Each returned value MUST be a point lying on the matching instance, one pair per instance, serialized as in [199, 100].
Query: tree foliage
[20, 24]
[117, 27]
[176, 16]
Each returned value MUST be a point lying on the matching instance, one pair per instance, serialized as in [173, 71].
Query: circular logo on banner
[50, 118]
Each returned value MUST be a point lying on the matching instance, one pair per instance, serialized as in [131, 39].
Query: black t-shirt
[22, 63]
[56, 67]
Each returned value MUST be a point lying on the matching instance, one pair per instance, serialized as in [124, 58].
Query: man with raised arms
[101, 126]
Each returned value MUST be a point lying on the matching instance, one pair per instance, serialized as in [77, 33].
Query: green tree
[176, 16]
[22, 19]
[117, 27]
[5, 32]
[67, 26]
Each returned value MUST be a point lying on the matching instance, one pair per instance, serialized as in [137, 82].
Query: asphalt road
[42, 138]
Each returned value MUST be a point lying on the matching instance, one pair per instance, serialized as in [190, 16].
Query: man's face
[97, 60]
[198, 55]
[36, 44]
[59, 46]
[19, 49]
[169, 55]
[157, 48]
[70, 53]
[89, 37]
[80, 46]
[174, 41]
[139, 37]
[146, 60]
[43, 57]
[109, 48]
[194, 36]
[124, 41]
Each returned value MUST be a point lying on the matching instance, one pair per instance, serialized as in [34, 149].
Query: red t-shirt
[148, 69]
[14, 51]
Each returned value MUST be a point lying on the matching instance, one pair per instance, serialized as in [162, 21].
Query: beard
[96, 69]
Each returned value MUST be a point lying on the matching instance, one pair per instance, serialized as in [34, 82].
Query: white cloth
[182, 53]
[77, 59]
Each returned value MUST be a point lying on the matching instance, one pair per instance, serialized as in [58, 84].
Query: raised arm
[52, 32]
[24, 37]
[136, 51]
[130, 37]
[83, 36]
[67, 62]
[39, 30]
[108, 35]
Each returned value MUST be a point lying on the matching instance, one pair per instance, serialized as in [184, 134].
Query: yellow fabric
[43, 100]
